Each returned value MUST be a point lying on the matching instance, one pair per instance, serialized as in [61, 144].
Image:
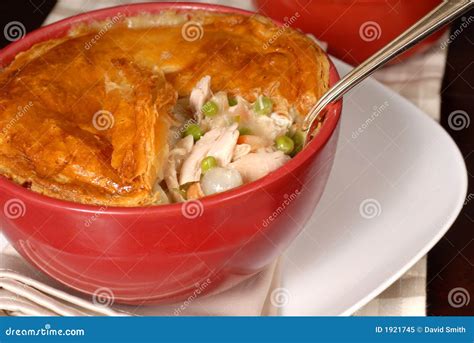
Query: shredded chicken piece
[219, 143]
[199, 95]
[255, 165]
[270, 127]
[241, 150]
[175, 159]
[251, 156]
[224, 148]
[162, 197]
[221, 100]
[241, 109]
[185, 143]
[224, 118]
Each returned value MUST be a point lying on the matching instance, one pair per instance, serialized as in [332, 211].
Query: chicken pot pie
[157, 108]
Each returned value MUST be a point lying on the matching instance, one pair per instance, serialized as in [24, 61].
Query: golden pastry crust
[86, 118]
[93, 131]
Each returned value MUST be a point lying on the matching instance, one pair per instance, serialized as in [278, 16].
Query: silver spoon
[440, 16]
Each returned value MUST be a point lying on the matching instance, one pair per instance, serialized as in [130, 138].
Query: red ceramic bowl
[170, 252]
[353, 29]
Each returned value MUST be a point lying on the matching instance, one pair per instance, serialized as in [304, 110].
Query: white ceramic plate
[397, 185]
[416, 178]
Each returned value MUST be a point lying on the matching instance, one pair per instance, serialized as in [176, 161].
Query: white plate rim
[454, 213]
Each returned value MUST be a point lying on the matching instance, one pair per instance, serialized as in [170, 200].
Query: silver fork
[440, 16]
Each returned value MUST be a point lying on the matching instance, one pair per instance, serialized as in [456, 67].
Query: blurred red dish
[166, 252]
[353, 29]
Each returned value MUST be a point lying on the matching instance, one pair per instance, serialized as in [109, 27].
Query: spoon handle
[440, 16]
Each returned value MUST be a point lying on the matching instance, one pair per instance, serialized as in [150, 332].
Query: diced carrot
[194, 191]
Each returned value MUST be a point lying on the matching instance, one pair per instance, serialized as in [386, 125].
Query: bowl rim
[60, 28]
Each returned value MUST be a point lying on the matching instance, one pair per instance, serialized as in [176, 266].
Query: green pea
[263, 105]
[232, 101]
[210, 109]
[245, 131]
[195, 131]
[298, 138]
[285, 144]
[208, 163]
